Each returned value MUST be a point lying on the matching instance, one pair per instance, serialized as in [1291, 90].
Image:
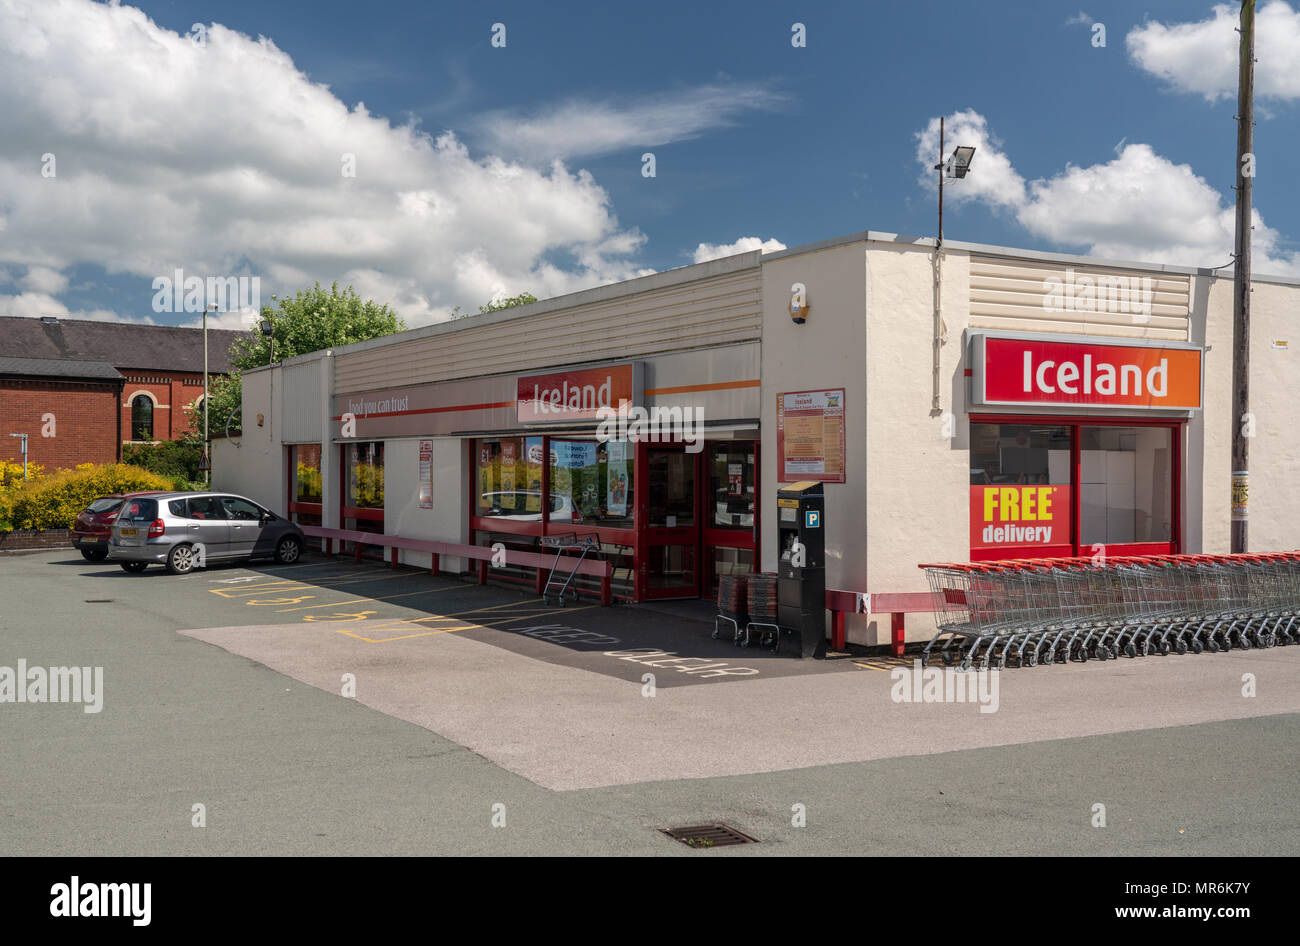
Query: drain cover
[709, 835]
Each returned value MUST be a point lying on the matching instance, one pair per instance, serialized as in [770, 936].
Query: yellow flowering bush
[52, 501]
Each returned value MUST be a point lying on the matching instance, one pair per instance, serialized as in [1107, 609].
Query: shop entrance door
[730, 519]
[668, 552]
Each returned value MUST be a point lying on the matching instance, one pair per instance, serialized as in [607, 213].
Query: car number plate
[129, 532]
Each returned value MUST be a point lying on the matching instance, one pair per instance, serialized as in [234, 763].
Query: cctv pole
[937, 341]
[1241, 284]
[939, 168]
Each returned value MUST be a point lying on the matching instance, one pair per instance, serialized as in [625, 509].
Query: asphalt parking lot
[372, 603]
[226, 689]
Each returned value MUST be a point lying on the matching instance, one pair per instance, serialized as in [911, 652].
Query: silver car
[184, 531]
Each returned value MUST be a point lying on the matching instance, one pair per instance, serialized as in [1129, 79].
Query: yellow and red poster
[1014, 517]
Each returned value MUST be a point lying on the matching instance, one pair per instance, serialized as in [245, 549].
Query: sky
[439, 155]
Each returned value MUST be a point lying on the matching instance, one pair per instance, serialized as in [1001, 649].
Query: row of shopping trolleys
[1032, 611]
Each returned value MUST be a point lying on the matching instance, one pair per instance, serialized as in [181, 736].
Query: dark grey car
[184, 531]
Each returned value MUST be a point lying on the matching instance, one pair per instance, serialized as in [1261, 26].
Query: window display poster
[616, 479]
[574, 454]
[735, 478]
[426, 474]
[486, 479]
[508, 459]
[810, 436]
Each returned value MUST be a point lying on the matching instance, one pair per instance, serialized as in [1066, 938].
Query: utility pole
[1241, 283]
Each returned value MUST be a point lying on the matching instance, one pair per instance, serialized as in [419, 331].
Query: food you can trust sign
[1019, 370]
[576, 395]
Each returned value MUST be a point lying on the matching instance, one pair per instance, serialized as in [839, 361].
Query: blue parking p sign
[812, 519]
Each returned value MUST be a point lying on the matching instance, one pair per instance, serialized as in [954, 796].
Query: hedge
[53, 502]
[177, 460]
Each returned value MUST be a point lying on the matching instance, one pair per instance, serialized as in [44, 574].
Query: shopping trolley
[1286, 566]
[996, 606]
[1053, 610]
[1092, 601]
[568, 542]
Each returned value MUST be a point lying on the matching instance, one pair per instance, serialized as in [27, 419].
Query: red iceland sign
[574, 395]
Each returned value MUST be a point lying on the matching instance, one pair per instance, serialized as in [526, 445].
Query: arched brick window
[141, 417]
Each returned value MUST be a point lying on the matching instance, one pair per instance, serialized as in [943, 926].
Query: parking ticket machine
[801, 582]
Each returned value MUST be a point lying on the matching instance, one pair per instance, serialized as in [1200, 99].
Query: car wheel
[94, 554]
[288, 550]
[134, 567]
[181, 560]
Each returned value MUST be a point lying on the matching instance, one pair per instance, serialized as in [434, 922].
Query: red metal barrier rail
[482, 554]
[895, 604]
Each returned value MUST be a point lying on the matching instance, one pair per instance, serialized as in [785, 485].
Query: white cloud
[1202, 57]
[44, 279]
[585, 128]
[1140, 206]
[707, 251]
[226, 159]
[996, 183]
[1078, 19]
[34, 305]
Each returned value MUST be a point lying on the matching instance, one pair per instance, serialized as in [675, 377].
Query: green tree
[311, 320]
[508, 302]
[496, 305]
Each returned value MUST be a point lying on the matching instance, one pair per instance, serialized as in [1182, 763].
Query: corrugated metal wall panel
[301, 418]
[721, 310]
[1028, 295]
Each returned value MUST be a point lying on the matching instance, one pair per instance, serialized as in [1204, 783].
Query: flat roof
[750, 260]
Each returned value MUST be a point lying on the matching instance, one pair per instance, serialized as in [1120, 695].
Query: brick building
[81, 389]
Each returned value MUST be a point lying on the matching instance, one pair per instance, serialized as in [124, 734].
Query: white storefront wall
[906, 496]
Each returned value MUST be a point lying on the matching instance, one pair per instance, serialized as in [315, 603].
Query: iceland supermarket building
[1073, 403]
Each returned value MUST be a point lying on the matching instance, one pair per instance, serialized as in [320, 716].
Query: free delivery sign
[1017, 516]
[1043, 370]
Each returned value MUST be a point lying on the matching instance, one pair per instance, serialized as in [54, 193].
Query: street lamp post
[23, 439]
[207, 443]
[958, 166]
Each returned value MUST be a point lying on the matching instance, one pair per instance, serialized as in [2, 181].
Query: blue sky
[223, 159]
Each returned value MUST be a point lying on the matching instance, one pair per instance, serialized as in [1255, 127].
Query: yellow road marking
[403, 637]
[405, 594]
[247, 591]
[393, 624]
[388, 577]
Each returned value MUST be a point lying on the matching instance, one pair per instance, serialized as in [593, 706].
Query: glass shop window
[1126, 478]
[365, 469]
[1019, 454]
[591, 482]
